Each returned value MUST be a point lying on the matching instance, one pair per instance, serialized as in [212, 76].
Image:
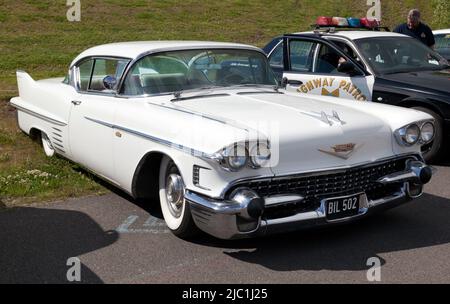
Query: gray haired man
[416, 29]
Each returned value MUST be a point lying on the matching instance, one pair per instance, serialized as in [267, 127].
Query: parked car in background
[367, 64]
[442, 46]
[177, 122]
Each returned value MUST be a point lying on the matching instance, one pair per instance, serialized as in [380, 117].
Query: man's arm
[398, 29]
[430, 38]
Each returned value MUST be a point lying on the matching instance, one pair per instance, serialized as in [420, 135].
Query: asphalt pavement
[118, 240]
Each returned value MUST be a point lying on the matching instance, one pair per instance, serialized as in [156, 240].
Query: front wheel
[174, 207]
[432, 151]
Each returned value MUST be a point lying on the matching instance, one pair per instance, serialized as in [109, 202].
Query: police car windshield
[390, 55]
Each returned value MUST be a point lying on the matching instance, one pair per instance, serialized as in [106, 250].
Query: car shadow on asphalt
[36, 243]
[421, 223]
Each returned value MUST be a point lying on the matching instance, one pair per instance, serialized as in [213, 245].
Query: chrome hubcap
[175, 194]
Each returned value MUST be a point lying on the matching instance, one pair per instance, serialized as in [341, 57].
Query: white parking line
[156, 226]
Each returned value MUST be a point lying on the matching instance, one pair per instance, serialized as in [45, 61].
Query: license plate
[342, 207]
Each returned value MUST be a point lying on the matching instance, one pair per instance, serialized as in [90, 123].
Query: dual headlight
[420, 132]
[238, 156]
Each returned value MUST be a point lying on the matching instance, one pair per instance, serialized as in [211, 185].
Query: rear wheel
[47, 145]
[432, 151]
[174, 207]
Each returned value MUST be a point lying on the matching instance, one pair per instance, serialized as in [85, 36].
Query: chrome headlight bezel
[234, 151]
[241, 150]
[402, 134]
[259, 155]
[423, 140]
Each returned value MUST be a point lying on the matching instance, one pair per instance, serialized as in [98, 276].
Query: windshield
[443, 44]
[391, 55]
[177, 71]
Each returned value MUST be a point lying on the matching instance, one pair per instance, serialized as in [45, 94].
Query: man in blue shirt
[416, 29]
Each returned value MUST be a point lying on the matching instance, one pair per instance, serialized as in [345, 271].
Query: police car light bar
[331, 23]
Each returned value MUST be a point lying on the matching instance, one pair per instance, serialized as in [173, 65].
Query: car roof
[354, 35]
[443, 31]
[135, 49]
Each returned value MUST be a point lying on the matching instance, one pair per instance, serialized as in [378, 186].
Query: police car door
[311, 66]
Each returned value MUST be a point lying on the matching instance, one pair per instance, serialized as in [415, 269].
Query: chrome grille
[316, 186]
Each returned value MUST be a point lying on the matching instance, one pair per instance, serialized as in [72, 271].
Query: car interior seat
[160, 83]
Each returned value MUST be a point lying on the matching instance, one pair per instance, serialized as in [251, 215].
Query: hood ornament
[326, 118]
[343, 151]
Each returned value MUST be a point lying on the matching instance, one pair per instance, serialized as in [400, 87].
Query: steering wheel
[232, 79]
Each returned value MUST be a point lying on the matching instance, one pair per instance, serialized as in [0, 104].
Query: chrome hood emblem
[343, 151]
[326, 118]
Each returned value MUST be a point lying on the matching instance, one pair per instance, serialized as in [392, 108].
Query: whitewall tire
[47, 145]
[174, 207]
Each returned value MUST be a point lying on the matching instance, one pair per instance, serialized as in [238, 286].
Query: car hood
[425, 80]
[301, 138]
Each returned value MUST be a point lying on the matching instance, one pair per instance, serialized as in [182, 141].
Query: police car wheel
[432, 151]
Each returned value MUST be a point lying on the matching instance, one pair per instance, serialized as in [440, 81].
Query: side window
[349, 51]
[84, 72]
[156, 74]
[442, 42]
[276, 58]
[92, 72]
[301, 55]
[328, 60]
[104, 68]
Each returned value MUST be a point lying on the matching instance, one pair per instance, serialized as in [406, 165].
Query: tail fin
[26, 85]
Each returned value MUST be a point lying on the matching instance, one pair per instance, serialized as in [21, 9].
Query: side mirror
[109, 82]
[348, 68]
[285, 81]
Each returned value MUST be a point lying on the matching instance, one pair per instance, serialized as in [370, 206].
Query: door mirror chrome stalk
[285, 81]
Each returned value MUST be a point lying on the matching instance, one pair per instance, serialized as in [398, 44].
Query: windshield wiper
[261, 86]
[177, 94]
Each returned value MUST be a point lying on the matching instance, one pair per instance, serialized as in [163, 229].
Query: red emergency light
[324, 21]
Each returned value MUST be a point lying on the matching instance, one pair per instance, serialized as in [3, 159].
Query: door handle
[76, 102]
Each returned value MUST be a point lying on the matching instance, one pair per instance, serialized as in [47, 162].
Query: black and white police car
[358, 60]
[442, 38]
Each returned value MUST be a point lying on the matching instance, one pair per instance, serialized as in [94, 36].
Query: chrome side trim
[155, 139]
[59, 150]
[40, 116]
[100, 122]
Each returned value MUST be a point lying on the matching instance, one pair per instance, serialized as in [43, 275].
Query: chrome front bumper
[224, 218]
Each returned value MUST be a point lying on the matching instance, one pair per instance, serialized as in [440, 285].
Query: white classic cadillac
[204, 128]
